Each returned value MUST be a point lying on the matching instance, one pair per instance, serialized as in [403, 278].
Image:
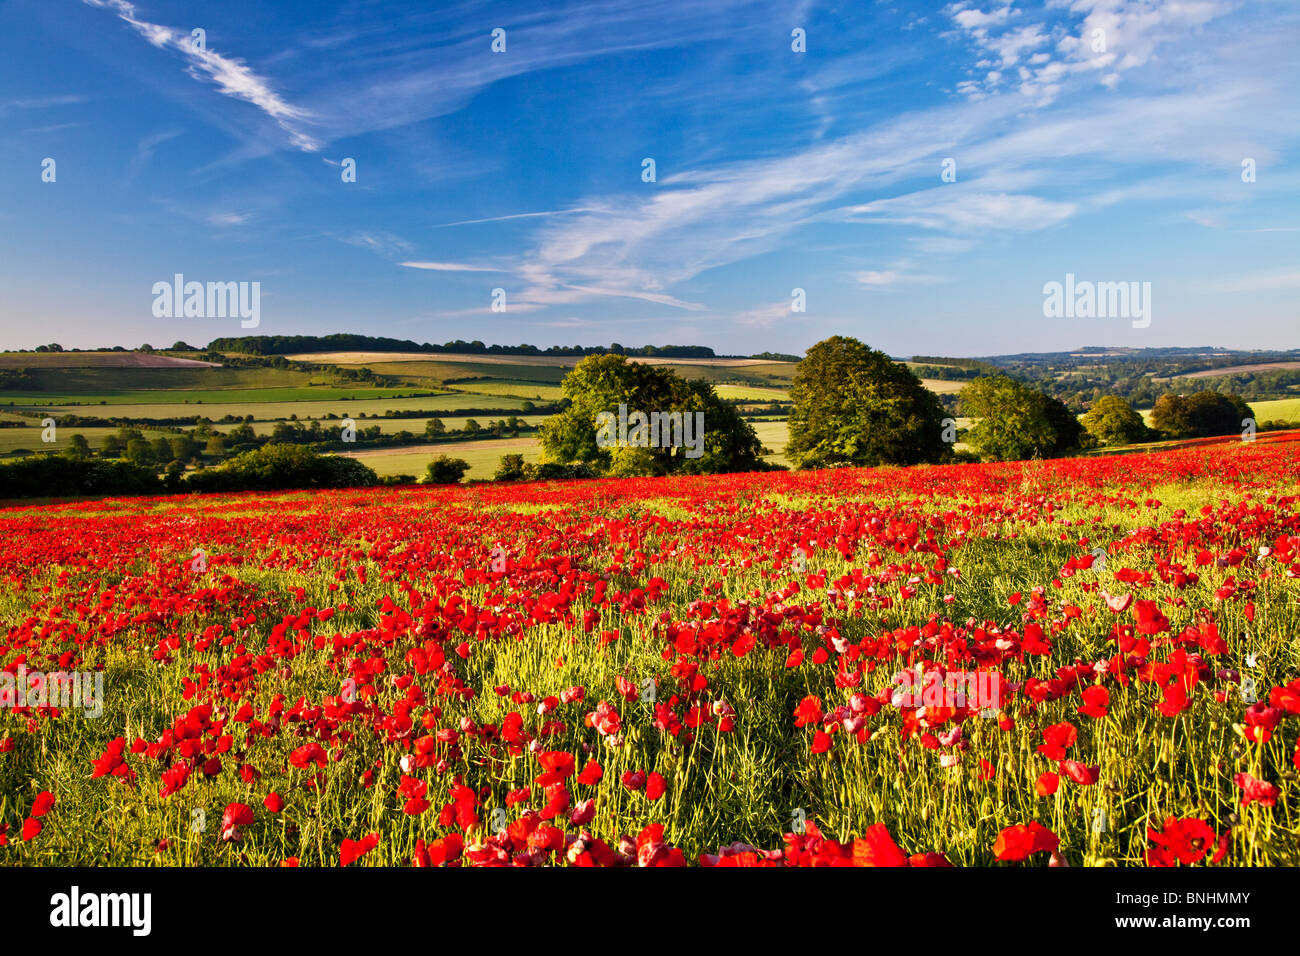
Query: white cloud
[448, 267]
[230, 75]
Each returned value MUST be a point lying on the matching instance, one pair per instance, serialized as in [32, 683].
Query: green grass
[233, 396]
[1281, 409]
[349, 402]
[483, 456]
[391, 426]
[13, 439]
[751, 393]
[536, 391]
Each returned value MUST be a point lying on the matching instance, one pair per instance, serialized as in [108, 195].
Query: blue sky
[775, 170]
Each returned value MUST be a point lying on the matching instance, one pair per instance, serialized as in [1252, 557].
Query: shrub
[445, 471]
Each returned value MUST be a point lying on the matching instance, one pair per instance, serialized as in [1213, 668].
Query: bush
[54, 476]
[279, 467]
[511, 468]
[445, 471]
[557, 471]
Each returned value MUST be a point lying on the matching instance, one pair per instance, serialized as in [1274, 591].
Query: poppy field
[666, 672]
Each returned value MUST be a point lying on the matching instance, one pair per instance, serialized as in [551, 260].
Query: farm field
[306, 410]
[390, 426]
[483, 456]
[30, 438]
[661, 672]
[150, 398]
[121, 359]
[1278, 409]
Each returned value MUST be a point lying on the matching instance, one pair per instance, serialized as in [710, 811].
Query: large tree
[1014, 421]
[604, 386]
[856, 406]
[1201, 415]
[1112, 421]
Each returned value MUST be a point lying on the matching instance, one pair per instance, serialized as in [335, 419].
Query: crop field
[31, 438]
[390, 426]
[240, 398]
[123, 359]
[348, 403]
[753, 669]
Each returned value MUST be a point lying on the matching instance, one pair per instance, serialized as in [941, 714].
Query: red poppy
[1018, 842]
[353, 850]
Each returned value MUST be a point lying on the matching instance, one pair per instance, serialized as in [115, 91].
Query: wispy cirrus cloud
[231, 76]
[448, 267]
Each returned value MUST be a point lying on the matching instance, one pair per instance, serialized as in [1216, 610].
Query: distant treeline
[351, 342]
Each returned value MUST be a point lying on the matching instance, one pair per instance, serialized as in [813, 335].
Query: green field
[1279, 409]
[483, 456]
[391, 426]
[751, 393]
[233, 396]
[14, 439]
[1270, 410]
[536, 391]
[272, 409]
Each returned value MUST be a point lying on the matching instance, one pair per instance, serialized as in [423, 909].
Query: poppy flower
[1080, 772]
[1256, 791]
[877, 848]
[235, 816]
[352, 850]
[1096, 700]
[1018, 842]
[655, 786]
[808, 712]
[1057, 739]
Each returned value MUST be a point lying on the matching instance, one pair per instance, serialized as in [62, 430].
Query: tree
[184, 447]
[162, 449]
[1200, 415]
[1112, 421]
[139, 452]
[78, 447]
[626, 418]
[111, 446]
[471, 427]
[511, 468]
[1171, 416]
[854, 405]
[1065, 425]
[434, 428]
[1217, 413]
[1016, 422]
[445, 471]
